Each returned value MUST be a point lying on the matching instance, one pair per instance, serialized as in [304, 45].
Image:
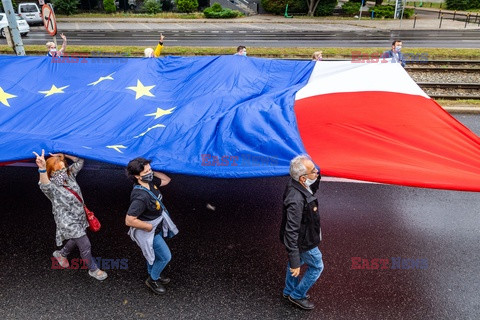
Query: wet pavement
[229, 264]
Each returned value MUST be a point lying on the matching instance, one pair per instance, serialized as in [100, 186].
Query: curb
[464, 110]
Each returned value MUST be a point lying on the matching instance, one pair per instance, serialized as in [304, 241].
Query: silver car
[23, 26]
[30, 12]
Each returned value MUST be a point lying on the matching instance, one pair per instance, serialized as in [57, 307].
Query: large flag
[233, 116]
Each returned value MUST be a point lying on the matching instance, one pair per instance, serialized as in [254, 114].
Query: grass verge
[293, 53]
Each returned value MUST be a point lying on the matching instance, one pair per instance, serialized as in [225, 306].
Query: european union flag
[224, 116]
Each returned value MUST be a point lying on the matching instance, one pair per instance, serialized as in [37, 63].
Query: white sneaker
[98, 274]
[62, 261]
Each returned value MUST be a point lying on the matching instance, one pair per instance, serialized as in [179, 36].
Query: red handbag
[93, 223]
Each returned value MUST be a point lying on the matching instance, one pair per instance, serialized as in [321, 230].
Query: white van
[30, 12]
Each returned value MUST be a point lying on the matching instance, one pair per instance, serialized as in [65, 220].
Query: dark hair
[136, 166]
[241, 48]
[395, 41]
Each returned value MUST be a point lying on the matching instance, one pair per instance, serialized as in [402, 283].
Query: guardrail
[456, 16]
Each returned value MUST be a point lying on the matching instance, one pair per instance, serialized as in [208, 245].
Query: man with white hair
[300, 231]
[150, 53]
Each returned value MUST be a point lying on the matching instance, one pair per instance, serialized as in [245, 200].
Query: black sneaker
[285, 296]
[302, 303]
[163, 280]
[156, 287]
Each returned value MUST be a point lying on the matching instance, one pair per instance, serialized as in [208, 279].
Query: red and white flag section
[372, 122]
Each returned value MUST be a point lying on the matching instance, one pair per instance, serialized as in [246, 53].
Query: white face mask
[309, 182]
[53, 49]
[398, 48]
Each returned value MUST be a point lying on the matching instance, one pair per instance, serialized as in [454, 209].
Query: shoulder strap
[159, 199]
[149, 191]
[75, 194]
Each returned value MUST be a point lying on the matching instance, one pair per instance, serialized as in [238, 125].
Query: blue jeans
[162, 257]
[296, 288]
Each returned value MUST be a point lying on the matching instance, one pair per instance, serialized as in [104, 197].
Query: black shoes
[302, 303]
[156, 286]
[163, 280]
[285, 296]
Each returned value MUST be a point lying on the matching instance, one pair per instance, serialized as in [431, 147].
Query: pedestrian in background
[52, 48]
[58, 182]
[241, 51]
[395, 53]
[150, 53]
[300, 231]
[149, 221]
[317, 56]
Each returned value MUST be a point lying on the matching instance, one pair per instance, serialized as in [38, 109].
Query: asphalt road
[196, 35]
[229, 264]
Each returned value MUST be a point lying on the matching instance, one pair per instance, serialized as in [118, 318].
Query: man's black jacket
[300, 228]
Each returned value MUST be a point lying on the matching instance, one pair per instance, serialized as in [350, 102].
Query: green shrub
[278, 6]
[351, 8]
[152, 6]
[187, 6]
[325, 8]
[474, 4]
[217, 12]
[389, 11]
[382, 11]
[458, 4]
[408, 13]
[109, 6]
[67, 7]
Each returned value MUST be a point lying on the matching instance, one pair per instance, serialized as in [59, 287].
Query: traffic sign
[49, 19]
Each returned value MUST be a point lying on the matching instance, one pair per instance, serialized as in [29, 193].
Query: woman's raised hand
[40, 160]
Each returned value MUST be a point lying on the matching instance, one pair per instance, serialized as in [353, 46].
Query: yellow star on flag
[53, 90]
[154, 127]
[160, 112]
[117, 147]
[142, 90]
[109, 77]
[5, 96]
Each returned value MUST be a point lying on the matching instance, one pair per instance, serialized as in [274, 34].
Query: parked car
[22, 24]
[30, 12]
[132, 4]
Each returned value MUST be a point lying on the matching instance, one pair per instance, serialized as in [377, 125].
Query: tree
[312, 6]
[67, 7]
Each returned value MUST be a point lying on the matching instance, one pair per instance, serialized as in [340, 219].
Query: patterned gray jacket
[68, 212]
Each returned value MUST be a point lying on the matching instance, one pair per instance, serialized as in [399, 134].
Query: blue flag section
[223, 116]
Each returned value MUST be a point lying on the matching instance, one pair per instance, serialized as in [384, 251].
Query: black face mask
[147, 178]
